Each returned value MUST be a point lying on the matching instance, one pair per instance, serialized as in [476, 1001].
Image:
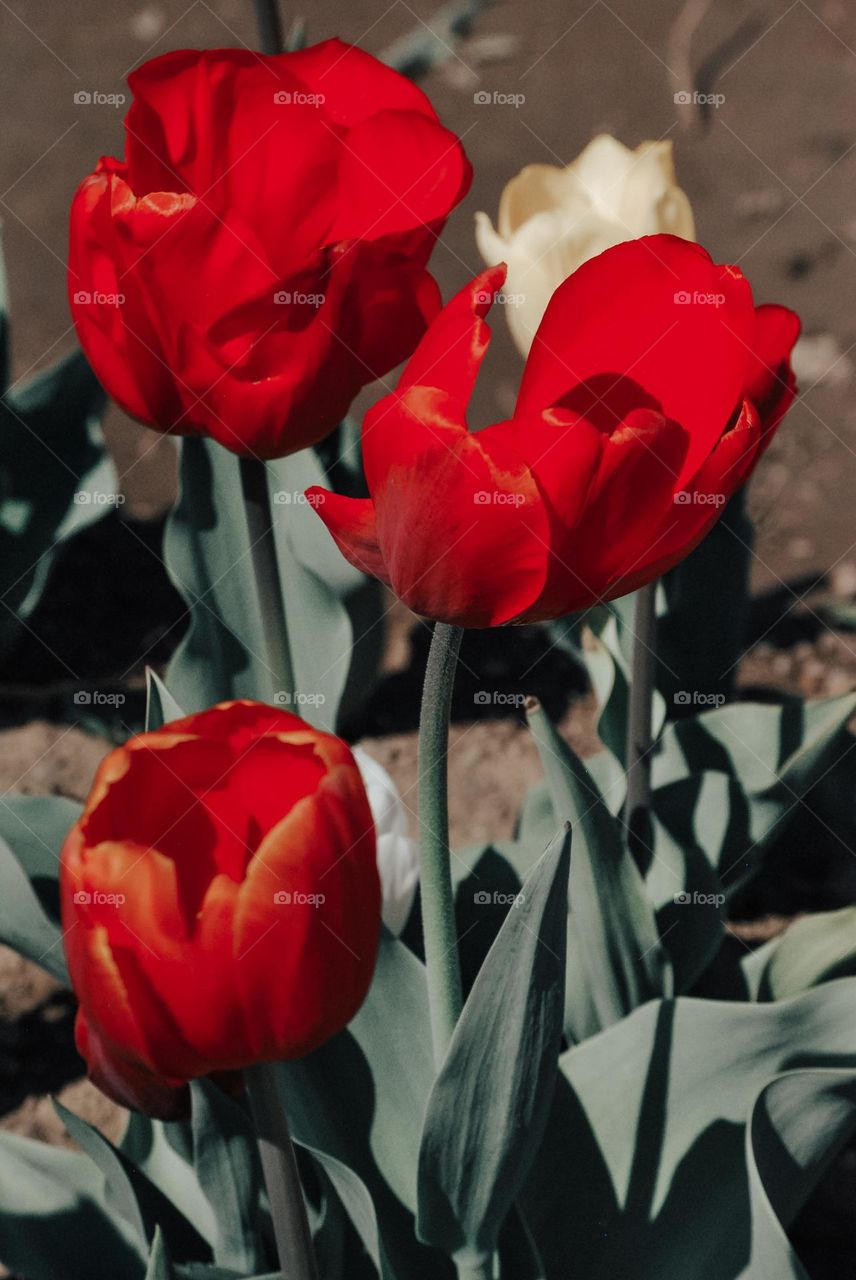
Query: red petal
[461, 524]
[354, 84]
[398, 170]
[351, 521]
[620, 317]
[450, 354]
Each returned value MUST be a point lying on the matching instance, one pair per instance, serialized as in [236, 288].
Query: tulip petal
[450, 354]
[398, 170]
[351, 521]
[461, 523]
[771, 384]
[656, 311]
[355, 85]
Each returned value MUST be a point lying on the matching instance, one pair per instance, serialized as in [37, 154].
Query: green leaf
[615, 959]
[354, 1196]
[799, 1122]
[55, 479]
[227, 1166]
[773, 756]
[130, 1193]
[654, 1113]
[207, 553]
[357, 1100]
[161, 706]
[160, 1267]
[163, 1151]
[489, 1105]
[54, 1221]
[812, 950]
[32, 830]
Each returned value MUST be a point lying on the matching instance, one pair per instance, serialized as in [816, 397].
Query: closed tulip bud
[220, 902]
[552, 220]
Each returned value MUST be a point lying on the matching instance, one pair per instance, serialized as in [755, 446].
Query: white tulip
[552, 220]
[397, 852]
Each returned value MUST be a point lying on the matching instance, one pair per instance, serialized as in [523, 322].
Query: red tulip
[651, 388]
[259, 256]
[220, 901]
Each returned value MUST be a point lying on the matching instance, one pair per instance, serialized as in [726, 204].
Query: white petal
[397, 853]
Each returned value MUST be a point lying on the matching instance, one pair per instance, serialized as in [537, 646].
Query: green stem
[287, 1206]
[438, 906]
[257, 506]
[640, 711]
[269, 26]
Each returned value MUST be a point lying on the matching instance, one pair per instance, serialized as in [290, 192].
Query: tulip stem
[438, 906]
[268, 582]
[269, 26]
[639, 720]
[287, 1206]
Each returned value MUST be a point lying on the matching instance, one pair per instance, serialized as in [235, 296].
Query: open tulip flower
[652, 386]
[259, 255]
[220, 901]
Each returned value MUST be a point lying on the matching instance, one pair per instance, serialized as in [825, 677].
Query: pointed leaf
[616, 960]
[489, 1105]
[227, 1166]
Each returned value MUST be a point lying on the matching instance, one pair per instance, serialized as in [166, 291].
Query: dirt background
[771, 174]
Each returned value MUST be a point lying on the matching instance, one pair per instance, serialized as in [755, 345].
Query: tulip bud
[220, 901]
[552, 220]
